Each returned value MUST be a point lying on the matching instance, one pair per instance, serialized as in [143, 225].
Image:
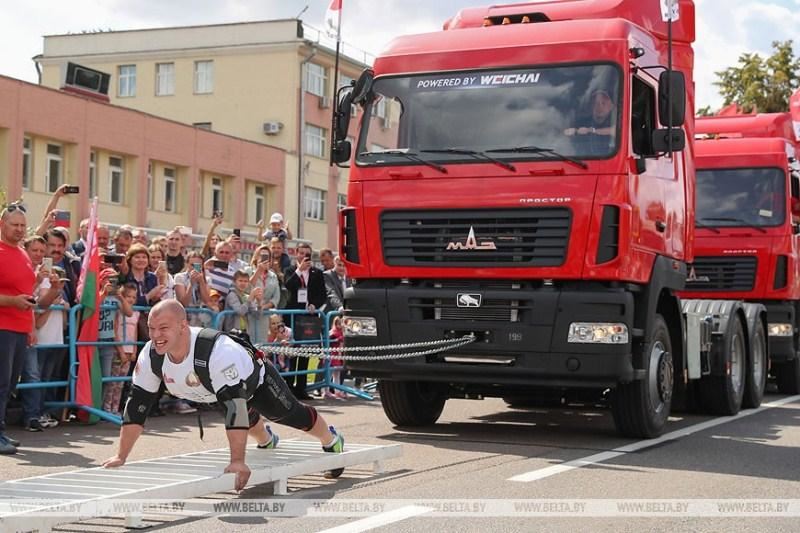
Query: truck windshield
[569, 111]
[743, 197]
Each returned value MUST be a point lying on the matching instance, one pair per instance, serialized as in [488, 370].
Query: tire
[756, 376]
[787, 376]
[722, 395]
[641, 408]
[412, 403]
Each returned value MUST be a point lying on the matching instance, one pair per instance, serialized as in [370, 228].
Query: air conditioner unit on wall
[273, 127]
[324, 102]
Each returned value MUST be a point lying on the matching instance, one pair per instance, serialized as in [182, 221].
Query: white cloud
[725, 29]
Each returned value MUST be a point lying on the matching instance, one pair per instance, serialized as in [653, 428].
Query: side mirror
[671, 96]
[661, 140]
[363, 87]
[341, 152]
[342, 123]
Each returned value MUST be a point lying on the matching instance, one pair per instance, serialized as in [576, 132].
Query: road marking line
[535, 475]
[379, 520]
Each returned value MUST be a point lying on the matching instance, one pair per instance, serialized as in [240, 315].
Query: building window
[379, 109]
[170, 189]
[259, 211]
[92, 174]
[203, 77]
[345, 81]
[53, 177]
[150, 185]
[165, 79]
[202, 125]
[27, 159]
[341, 201]
[315, 79]
[116, 179]
[315, 203]
[216, 195]
[126, 78]
[315, 140]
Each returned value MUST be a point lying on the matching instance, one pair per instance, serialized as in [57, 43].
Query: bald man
[237, 379]
[16, 309]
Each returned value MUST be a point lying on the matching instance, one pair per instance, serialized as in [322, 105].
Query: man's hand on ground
[242, 472]
[113, 462]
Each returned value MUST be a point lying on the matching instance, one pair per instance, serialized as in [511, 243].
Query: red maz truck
[747, 237]
[527, 176]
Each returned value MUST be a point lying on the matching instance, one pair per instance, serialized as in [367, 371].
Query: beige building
[240, 79]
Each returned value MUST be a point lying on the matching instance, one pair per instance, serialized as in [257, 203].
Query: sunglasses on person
[14, 206]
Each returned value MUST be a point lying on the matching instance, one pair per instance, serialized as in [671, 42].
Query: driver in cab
[602, 117]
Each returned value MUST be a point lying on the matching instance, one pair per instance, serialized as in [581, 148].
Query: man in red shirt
[16, 309]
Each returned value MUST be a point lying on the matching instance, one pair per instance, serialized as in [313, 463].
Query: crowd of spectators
[136, 270]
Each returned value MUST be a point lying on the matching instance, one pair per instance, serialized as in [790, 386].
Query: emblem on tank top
[192, 380]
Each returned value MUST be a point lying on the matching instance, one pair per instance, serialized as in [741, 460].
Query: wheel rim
[660, 377]
[736, 364]
[759, 363]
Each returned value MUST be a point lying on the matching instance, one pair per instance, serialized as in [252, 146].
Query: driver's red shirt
[17, 278]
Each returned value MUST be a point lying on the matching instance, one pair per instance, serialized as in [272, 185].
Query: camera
[113, 259]
[72, 189]
[237, 232]
[221, 264]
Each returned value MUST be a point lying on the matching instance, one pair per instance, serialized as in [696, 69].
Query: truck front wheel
[787, 376]
[641, 408]
[412, 403]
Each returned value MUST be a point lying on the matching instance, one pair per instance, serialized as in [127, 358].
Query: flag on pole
[333, 20]
[89, 387]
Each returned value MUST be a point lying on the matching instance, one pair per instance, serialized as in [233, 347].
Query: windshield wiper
[474, 153]
[699, 224]
[741, 221]
[539, 150]
[411, 156]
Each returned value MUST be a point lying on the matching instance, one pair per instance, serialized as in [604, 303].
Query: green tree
[758, 84]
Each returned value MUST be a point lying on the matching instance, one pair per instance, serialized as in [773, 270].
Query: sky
[725, 28]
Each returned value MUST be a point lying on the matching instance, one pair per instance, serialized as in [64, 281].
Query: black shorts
[274, 400]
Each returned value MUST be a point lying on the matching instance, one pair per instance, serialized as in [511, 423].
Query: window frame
[165, 78]
[53, 158]
[27, 162]
[314, 208]
[130, 81]
[206, 77]
[170, 180]
[316, 81]
[217, 191]
[120, 171]
[92, 174]
[260, 196]
[316, 136]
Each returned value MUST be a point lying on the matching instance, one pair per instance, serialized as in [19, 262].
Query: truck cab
[747, 227]
[526, 176]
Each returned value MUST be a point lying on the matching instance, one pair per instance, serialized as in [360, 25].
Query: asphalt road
[485, 451]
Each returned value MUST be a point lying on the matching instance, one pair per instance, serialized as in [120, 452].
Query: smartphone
[47, 263]
[113, 259]
[264, 257]
[72, 189]
[62, 219]
[217, 214]
[197, 267]
[31, 299]
[221, 264]
[114, 281]
[237, 232]
[162, 264]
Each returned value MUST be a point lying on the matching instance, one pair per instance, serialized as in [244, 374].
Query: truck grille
[723, 273]
[535, 237]
[491, 310]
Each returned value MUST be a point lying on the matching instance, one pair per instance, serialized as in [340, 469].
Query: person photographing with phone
[306, 287]
[16, 309]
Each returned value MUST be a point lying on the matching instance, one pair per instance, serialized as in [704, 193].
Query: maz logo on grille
[472, 243]
[468, 300]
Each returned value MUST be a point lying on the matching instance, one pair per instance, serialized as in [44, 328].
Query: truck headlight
[357, 326]
[598, 333]
[781, 330]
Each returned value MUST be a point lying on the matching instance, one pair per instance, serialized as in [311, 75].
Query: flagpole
[335, 106]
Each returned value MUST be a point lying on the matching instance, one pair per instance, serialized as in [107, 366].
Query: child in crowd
[336, 336]
[240, 302]
[125, 327]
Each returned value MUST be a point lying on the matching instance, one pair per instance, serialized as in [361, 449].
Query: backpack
[203, 346]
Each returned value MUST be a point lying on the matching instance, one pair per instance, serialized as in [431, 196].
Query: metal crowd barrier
[322, 375]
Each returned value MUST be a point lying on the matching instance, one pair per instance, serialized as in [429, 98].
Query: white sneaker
[48, 421]
[183, 408]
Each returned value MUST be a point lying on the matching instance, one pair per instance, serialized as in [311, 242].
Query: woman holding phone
[191, 290]
[264, 278]
[158, 266]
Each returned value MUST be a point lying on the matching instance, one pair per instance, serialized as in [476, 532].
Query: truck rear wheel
[722, 395]
[756, 378]
[412, 403]
[641, 408]
[787, 376]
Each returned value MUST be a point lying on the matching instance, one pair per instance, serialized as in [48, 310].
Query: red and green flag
[89, 387]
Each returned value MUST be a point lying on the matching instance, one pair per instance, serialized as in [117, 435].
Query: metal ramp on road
[175, 477]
